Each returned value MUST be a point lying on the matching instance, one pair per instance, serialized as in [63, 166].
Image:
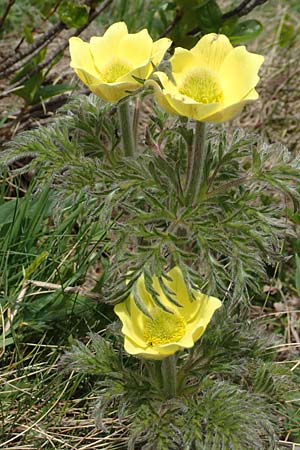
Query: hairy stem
[196, 162]
[168, 371]
[126, 126]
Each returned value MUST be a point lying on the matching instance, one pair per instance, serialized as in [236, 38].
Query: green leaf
[287, 35]
[8, 211]
[245, 31]
[30, 88]
[50, 90]
[28, 35]
[73, 16]
[228, 26]
[209, 17]
[36, 263]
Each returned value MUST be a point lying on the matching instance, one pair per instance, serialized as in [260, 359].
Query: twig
[244, 8]
[172, 25]
[62, 47]
[66, 290]
[8, 7]
[7, 67]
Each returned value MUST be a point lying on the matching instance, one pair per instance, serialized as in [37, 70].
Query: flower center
[202, 85]
[115, 69]
[164, 327]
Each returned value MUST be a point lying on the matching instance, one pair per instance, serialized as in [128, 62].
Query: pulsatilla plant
[192, 215]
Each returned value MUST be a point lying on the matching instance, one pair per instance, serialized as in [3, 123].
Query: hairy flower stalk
[195, 173]
[169, 376]
[126, 127]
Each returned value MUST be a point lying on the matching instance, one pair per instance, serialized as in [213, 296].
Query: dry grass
[41, 409]
[276, 115]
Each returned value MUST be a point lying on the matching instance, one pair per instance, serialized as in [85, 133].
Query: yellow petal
[208, 305]
[113, 92]
[181, 295]
[232, 111]
[136, 47]
[103, 48]
[159, 48]
[187, 107]
[82, 61]
[144, 294]
[212, 50]
[156, 353]
[86, 77]
[145, 298]
[131, 328]
[183, 60]
[142, 72]
[239, 74]
[160, 97]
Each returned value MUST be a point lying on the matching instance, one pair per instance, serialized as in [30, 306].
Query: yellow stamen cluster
[202, 85]
[115, 69]
[164, 328]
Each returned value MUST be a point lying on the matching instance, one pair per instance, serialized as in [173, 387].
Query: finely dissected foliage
[229, 391]
[228, 237]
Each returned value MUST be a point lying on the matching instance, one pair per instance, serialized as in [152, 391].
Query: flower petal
[187, 107]
[159, 95]
[181, 294]
[113, 92]
[131, 328]
[86, 77]
[239, 74]
[149, 352]
[159, 48]
[142, 72]
[103, 48]
[82, 61]
[208, 305]
[231, 111]
[135, 47]
[183, 60]
[211, 50]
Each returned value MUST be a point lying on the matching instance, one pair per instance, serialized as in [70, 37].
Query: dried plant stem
[66, 290]
[243, 8]
[14, 312]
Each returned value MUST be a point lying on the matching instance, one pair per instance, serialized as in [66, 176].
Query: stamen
[115, 69]
[164, 328]
[202, 85]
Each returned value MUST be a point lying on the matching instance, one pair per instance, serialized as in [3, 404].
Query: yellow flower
[165, 332]
[108, 64]
[212, 81]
